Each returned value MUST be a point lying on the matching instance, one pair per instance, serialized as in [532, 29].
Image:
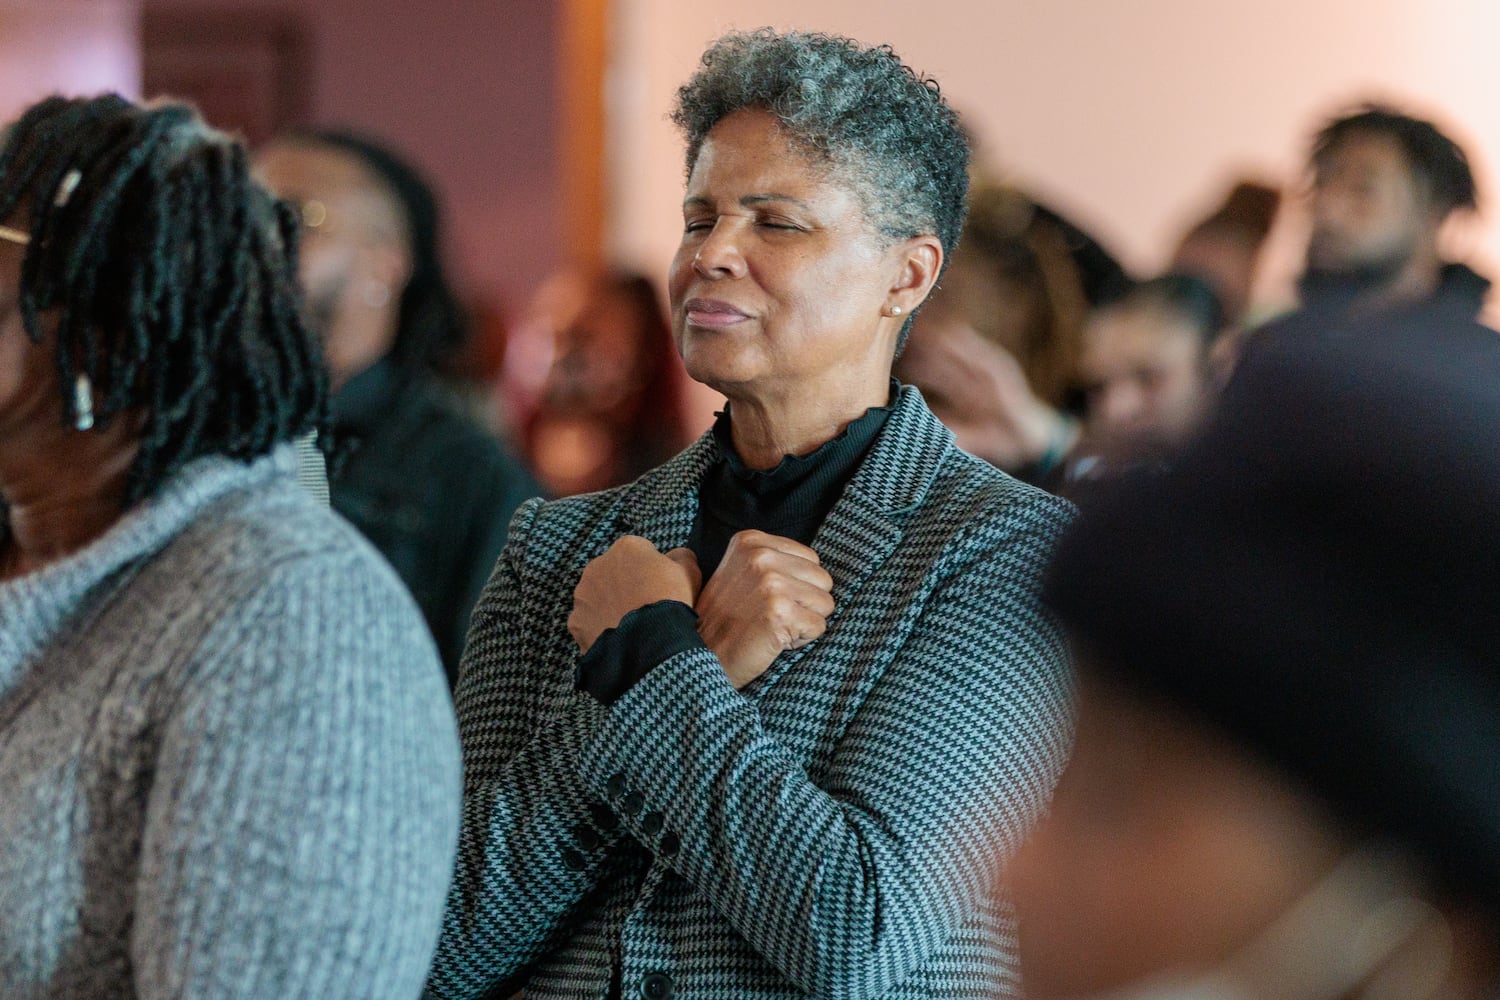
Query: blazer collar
[662, 504]
[864, 527]
[903, 461]
[893, 479]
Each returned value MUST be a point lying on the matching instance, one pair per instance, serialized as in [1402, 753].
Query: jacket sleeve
[533, 839]
[848, 885]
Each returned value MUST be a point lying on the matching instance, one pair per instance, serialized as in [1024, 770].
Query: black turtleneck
[791, 500]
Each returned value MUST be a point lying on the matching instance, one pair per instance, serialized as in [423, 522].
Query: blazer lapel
[662, 504]
[866, 524]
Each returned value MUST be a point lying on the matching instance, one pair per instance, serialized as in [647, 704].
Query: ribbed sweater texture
[228, 761]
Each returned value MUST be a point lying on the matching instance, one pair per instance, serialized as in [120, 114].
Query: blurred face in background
[1371, 215]
[598, 363]
[1146, 376]
[353, 261]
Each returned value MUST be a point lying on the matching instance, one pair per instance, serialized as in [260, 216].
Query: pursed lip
[712, 313]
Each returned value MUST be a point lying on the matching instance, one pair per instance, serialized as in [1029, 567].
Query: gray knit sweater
[228, 764]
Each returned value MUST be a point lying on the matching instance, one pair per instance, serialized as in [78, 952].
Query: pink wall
[1129, 116]
[80, 46]
[469, 91]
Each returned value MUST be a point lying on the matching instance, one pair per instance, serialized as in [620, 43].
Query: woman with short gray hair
[760, 723]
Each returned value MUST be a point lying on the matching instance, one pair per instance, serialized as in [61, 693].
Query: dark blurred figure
[612, 403]
[1384, 184]
[431, 490]
[1286, 781]
[1225, 248]
[1146, 374]
[996, 350]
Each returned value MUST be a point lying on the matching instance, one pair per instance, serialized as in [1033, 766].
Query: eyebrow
[751, 200]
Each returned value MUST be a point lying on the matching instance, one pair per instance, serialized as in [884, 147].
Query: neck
[357, 340]
[768, 426]
[1377, 288]
[1416, 281]
[63, 489]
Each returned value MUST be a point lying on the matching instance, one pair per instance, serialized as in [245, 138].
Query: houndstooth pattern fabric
[833, 829]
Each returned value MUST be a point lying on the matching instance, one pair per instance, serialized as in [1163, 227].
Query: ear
[918, 261]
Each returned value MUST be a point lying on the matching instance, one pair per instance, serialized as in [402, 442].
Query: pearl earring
[895, 310]
[83, 403]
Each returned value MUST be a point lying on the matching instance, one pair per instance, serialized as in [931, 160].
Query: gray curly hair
[885, 129]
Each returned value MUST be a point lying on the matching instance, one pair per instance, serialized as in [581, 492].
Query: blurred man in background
[431, 490]
[1384, 185]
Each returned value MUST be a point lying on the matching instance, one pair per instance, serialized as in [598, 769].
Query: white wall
[75, 46]
[1129, 115]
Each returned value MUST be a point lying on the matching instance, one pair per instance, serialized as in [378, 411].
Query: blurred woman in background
[612, 403]
[1146, 376]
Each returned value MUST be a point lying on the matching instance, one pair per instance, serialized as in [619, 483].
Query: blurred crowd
[1277, 574]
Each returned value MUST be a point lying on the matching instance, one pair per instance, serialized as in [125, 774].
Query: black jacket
[433, 492]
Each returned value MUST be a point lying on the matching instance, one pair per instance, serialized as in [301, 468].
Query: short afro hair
[1439, 163]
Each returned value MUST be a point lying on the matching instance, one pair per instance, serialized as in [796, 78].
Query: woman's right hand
[768, 595]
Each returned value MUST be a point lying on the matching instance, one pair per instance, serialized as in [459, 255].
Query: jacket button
[632, 803]
[574, 861]
[656, 986]
[586, 837]
[603, 816]
[670, 844]
[615, 785]
[651, 823]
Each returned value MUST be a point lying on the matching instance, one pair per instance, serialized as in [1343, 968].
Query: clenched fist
[768, 595]
[630, 574]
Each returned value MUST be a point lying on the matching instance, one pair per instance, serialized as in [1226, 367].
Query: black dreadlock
[172, 276]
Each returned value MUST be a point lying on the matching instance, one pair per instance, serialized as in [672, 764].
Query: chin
[719, 369]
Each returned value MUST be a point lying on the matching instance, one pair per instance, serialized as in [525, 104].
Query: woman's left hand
[630, 574]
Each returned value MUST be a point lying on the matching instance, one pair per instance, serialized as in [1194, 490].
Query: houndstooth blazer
[831, 830]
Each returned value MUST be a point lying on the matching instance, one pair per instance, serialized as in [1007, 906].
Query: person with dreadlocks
[431, 490]
[227, 756]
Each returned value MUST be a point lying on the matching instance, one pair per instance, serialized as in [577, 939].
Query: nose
[719, 254]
